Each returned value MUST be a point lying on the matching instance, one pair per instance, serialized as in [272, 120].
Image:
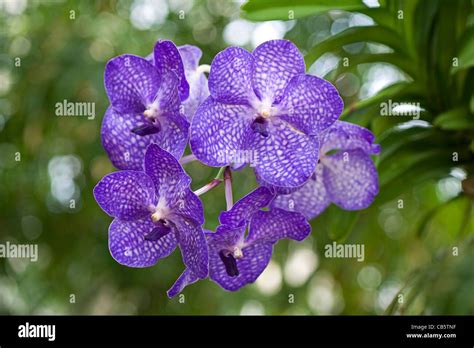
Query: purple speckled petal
[311, 199]
[167, 58]
[286, 157]
[126, 150]
[247, 206]
[198, 89]
[255, 257]
[190, 55]
[167, 97]
[186, 278]
[167, 174]
[193, 245]
[270, 226]
[131, 83]
[276, 62]
[280, 190]
[351, 179]
[129, 247]
[125, 195]
[174, 133]
[189, 205]
[348, 136]
[217, 132]
[310, 104]
[197, 94]
[226, 237]
[231, 76]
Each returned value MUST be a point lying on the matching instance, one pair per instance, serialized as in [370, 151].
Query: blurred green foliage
[418, 235]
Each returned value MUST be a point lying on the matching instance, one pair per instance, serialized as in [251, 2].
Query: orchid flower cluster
[259, 109]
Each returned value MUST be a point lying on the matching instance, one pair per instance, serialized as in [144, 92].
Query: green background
[403, 51]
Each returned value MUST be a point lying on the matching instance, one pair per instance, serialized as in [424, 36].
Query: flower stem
[187, 159]
[228, 188]
[220, 174]
[207, 187]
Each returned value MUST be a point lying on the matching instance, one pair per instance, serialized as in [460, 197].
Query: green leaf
[433, 212]
[336, 222]
[264, 10]
[466, 52]
[393, 139]
[391, 92]
[408, 7]
[394, 166]
[381, 16]
[455, 119]
[432, 168]
[398, 60]
[351, 35]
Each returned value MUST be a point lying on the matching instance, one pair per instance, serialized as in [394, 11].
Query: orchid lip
[147, 129]
[259, 125]
[230, 263]
[159, 231]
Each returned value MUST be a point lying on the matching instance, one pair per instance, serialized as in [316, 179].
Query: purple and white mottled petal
[174, 133]
[129, 247]
[351, 179]
[186, 278]
[230, 79]
[348, 136]
[217, 132]
[255, 260]
[226, 236]
[193, 245]
[280, 190]
[276, 63]
[167, 58]
[166, 172]
[286, 157]
[198, 89]
[311, 199]
[126, 195]
[190, 55]
[167, 97]
[246, 207]
[126, 149]
[271, 226]
[131, 83]
[189, 205]
[198, 92]
[310, 104]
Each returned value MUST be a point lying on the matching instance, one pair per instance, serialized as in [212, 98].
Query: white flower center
[265, 112]
[160, 211]
[152, 112]
[237, 253]
[264, 108]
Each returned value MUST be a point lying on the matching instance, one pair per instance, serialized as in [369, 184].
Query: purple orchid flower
[198, 89]
[264, 110]
[345, 175]
[145, 106]
[155, 211]
[236, 259]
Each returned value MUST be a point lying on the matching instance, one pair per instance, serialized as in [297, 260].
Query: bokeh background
[418, 234]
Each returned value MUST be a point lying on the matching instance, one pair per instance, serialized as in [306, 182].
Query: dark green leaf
[398, 60]
[336, 222]
[351, 35]
[455, 119]
[264, 10]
